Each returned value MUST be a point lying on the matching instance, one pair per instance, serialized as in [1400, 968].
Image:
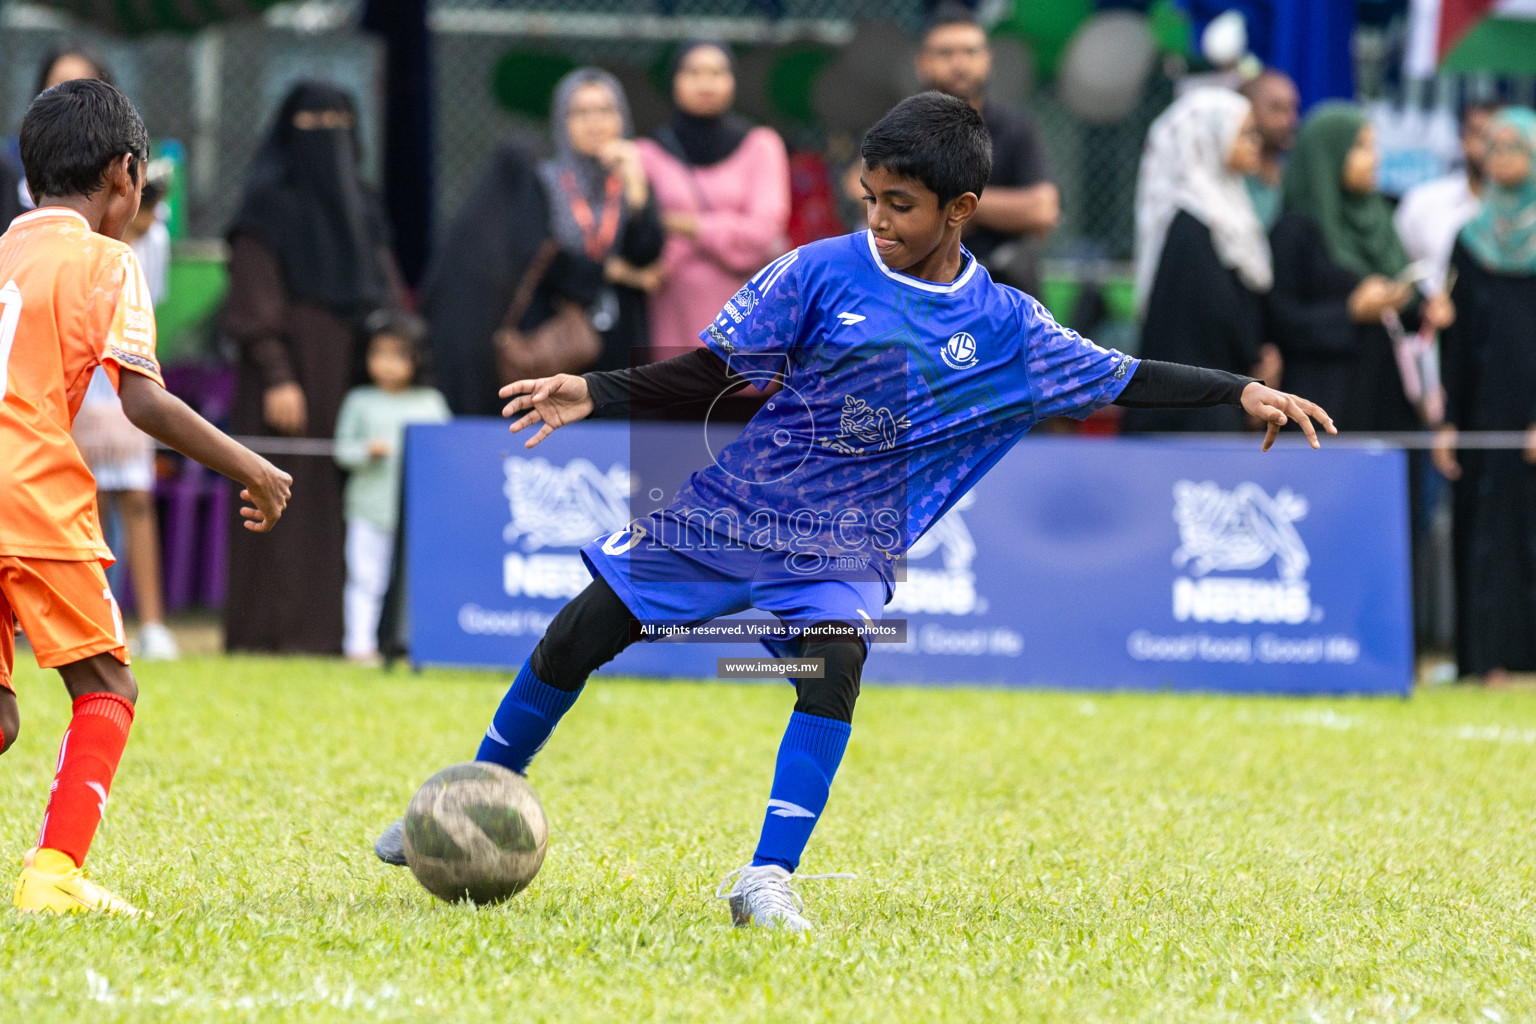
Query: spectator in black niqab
[309, 260]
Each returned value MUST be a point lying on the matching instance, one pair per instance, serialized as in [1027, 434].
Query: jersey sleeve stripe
[790, 256]
[785, 265]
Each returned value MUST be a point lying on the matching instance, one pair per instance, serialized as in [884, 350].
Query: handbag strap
[532, 277]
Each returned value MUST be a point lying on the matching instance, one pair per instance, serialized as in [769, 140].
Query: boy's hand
[268, 493]
[168, 419]
[378, 449]
[1277, 408]
[552, 401]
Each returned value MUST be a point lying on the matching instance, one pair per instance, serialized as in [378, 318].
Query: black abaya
[1345, 367]
[1198, 313]
[1489, 365]
[485, 254]
[309, 260]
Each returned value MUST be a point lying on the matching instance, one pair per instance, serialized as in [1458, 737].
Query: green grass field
[1021, 857]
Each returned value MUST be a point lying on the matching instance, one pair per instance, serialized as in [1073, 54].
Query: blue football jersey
[898, 395]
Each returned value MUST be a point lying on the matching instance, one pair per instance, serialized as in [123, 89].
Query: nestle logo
[1241, 529]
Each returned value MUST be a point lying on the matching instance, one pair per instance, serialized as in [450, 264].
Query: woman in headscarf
[309, 260]
[1202, 258]
[1338, 270]
[601, 211]
[723, 189]
[1489, 365]
[592, 200]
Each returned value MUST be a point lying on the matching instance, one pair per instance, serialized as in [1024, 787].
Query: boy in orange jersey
[72, 296]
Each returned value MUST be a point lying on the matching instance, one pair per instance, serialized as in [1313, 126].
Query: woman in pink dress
[723, 189]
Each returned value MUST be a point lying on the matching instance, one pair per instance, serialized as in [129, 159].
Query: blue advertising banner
[1079, 563]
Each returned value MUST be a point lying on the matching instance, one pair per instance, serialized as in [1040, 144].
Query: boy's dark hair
[939, 140]
[948, 13]
[72, 49]
[73, 132]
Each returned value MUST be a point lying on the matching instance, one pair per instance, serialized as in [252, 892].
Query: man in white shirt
[1431, 215]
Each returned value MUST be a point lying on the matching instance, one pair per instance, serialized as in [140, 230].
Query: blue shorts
[666, 570]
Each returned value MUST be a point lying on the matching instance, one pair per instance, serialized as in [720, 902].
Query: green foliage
[1171, 28]
[792, 81]
[1021, 857]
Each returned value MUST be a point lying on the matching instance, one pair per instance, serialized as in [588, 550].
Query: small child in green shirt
[370, 431]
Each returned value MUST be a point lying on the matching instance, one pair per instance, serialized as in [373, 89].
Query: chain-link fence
[495, 69]
[496, 62]
[213, 93]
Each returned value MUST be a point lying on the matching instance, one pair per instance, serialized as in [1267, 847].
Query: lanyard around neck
[597, 237]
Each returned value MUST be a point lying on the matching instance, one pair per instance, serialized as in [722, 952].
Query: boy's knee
[102, 673]
[836, 692]
[583, 636]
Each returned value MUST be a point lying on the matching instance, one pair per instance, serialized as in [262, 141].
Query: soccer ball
[475, 831]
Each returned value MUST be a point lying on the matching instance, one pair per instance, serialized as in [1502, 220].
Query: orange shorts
[66, 608]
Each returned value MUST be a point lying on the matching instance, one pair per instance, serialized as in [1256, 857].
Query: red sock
[87, 760]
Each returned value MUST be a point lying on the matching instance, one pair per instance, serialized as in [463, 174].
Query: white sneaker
[156, 643]
[761, 896]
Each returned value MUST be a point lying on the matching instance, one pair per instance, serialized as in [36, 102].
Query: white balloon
[1225, 39]
[1106, 65]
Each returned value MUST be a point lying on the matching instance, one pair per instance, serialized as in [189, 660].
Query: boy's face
[905, 218]
[124, 190]
[389, 362]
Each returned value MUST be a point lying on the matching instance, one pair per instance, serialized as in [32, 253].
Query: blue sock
[522, 724]
[809, 755]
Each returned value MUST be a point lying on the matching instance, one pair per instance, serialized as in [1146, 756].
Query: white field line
[1327, 718]
[321, 993]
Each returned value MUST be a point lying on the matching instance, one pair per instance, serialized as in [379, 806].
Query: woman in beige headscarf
[1202, 259]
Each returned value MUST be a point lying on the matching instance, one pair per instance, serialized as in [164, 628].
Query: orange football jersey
[69, 299]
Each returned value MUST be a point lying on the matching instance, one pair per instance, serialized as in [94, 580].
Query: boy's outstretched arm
[1159, 385]
[171, 421]
[696, 376]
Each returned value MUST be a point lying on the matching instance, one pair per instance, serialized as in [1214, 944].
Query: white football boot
[761, 896]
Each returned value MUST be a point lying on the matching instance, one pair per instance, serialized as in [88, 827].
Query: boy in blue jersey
[904, 374]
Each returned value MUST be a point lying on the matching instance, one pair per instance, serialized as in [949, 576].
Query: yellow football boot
[50, 883]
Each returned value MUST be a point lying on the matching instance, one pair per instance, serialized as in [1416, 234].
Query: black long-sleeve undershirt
[1159, 385]
[701, 376]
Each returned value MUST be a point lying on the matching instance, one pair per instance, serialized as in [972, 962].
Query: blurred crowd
[1263, 246]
